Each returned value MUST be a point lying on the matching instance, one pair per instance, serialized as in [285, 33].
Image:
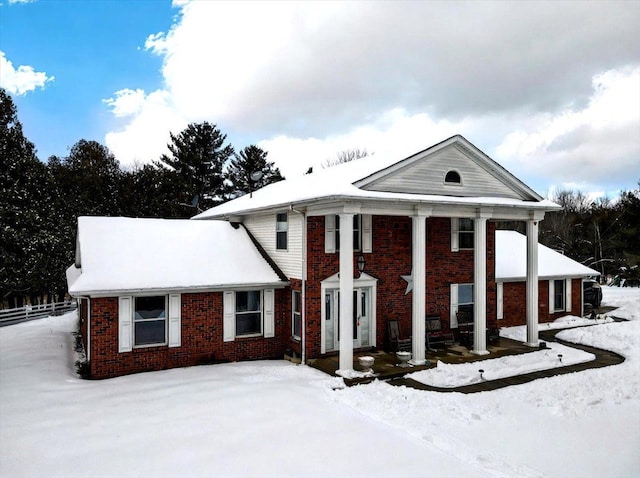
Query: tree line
[41, 201]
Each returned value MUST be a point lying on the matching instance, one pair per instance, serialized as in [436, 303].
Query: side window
[150, 321]
[296, 315]
[465, 233]
[282, 229]
[357, 233]
[248, 312]
[558, 295]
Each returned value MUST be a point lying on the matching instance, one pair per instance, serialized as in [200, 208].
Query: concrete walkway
[604, 358]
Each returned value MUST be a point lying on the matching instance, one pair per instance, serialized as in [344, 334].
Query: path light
[560, 357]
[481, 372]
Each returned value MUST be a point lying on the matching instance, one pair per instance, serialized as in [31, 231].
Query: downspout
[88, 338]
[303, 275]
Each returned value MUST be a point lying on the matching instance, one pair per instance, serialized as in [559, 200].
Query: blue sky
[92, 48]
[551, 90]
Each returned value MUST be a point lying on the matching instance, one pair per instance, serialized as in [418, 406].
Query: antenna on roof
[195, 203]
[254, 177]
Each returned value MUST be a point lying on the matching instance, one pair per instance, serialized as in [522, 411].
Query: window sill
[249, 336]
[146, 346]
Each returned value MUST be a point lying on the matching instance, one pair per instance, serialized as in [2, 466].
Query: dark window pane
[558, 295]
[465, 294]
[466, 240]
[150, 332]
[149, 307]
[452, 177]
[281, 240]
[248, 301]
[248, 323]
[465, 224]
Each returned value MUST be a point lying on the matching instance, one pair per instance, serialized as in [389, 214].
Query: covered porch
[387, 365]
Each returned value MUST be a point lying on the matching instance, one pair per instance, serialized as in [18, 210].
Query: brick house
[263, 274]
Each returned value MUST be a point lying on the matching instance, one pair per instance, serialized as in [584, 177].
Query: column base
[418, 362]
[480, 352]
[532, 344]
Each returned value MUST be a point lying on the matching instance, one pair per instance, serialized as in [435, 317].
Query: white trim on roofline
[383, 203]
[178, 290]
[554, 277]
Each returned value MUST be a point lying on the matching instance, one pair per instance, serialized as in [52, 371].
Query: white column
[346, 291]
[532, 283]
[480, 285]
[419, 251]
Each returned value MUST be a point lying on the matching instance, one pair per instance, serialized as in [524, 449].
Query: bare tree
[345, 156]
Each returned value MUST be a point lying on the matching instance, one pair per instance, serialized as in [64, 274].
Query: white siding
[263, 229]
[427, 177]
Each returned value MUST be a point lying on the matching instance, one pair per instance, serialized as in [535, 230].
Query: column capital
[484, 213]
[350, 209]
[536, 216]
[422, 211]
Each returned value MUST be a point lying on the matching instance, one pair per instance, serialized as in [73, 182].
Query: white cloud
[21, 80]
[146, 136]
[580, 146]
[306, 80]
[127, 102]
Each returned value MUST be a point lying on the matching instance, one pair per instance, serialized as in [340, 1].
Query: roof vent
[452, 177]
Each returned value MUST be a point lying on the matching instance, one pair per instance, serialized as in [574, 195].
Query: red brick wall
[201, 338]
[391, 258]
[515, 303]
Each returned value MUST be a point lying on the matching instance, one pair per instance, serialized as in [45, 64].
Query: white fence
[31, 312]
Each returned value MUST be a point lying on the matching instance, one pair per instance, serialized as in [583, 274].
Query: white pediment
[426, 173]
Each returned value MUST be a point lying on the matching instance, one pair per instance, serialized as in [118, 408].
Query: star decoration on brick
[409, 280]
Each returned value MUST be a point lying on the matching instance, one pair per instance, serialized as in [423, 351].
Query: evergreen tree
[249, 161]
[24, 205]
[198, 158]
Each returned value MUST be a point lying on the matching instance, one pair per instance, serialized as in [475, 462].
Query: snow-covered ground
[278, 419]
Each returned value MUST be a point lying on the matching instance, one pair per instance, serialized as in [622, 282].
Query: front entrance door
[361, 318]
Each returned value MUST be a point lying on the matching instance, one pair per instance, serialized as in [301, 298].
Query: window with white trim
[462, 233]
[282, 228]
[357, 233]
[558, 295]
[150, 321]
[248, 312]
[465, 299]
[296, 314]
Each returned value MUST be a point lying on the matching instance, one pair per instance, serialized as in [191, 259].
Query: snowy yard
[278, 419]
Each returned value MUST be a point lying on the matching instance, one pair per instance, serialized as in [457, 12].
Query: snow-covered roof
[120, 254]
[348, 181]
[511, 260]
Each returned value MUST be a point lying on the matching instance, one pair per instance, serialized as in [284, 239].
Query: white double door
[361, 319]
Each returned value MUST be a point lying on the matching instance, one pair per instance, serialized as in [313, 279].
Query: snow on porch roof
[340, 181]
[511, 260]
[119, 254]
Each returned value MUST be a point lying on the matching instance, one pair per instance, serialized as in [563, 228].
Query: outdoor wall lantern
[360, 263]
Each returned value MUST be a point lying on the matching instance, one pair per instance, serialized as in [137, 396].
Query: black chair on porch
[465, 327]
[397, 344]
[437, 336]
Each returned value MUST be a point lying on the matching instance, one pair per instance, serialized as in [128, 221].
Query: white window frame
[363, 230]
[296, 315]
[163, 319]
[455, 303]
[457, 233]
[247, 312]
[452, 183]
[566, 295]
[127, 321]
[282, 229]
